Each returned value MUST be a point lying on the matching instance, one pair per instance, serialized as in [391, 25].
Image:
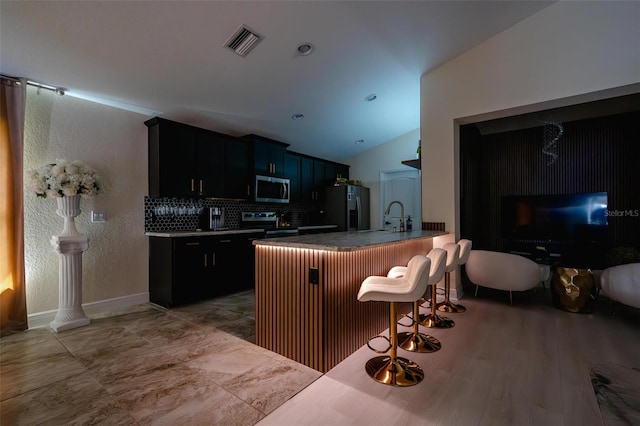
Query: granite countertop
[346, 241]
[172, 234]
[312, 227]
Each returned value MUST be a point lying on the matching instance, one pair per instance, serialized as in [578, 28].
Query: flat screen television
[570, 218]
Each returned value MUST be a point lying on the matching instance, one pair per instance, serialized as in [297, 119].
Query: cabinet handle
[205, 260]
[248, 189]
[213, 259]
[225, 241]
[192, 184]
[201, 186]
[192, 244]
[274, 168]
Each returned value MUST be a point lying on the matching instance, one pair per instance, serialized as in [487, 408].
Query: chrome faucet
[401, 213]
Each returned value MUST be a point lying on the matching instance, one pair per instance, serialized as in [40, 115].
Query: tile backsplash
[162, 214]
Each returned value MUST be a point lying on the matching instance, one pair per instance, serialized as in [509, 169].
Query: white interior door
[404, 186]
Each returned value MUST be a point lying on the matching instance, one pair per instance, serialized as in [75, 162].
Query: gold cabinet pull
[200, 185]
[205, 260]
[192, 184]
[213, 259]
[192, 244]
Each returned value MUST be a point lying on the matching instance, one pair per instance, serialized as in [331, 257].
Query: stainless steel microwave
[272, 189]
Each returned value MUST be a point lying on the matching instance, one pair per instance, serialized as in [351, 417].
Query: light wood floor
[500, 365]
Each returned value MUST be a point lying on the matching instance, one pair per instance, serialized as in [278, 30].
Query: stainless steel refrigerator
[347, 206]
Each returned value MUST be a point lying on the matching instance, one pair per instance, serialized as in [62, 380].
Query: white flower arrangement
[64, 178]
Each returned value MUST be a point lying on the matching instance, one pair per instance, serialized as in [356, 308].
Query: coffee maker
[211, 218]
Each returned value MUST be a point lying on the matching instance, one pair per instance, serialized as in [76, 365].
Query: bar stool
[433, 320]
[392, 369]
[414, 341]
[461, 259]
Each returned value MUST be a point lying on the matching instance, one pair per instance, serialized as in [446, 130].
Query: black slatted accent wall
[597, 154]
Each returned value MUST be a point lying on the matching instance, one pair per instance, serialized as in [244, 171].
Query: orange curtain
[13, 306]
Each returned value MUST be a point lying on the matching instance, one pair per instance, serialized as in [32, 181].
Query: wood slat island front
[319, 322]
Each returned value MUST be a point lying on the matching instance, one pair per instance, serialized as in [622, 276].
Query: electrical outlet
[314, 276]
[98, 216]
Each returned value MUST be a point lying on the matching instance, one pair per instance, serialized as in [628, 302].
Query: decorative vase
[68, 209]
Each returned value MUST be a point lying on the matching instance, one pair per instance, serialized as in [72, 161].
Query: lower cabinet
[184, 270]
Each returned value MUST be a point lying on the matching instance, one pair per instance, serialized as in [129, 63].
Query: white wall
[567, 50]
[114, 142]
[386, 157]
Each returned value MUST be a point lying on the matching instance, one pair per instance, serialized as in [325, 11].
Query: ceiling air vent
[243, 40]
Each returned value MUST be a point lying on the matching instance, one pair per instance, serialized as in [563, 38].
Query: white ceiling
[167, 58]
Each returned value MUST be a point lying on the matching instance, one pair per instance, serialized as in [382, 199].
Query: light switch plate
[98, 216]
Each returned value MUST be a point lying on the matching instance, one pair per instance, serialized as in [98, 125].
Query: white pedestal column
[70, 314]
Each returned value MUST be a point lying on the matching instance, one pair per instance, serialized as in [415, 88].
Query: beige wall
[567, 53]
[385, 157]
[114, 142]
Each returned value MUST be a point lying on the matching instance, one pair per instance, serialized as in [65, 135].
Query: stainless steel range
[269, 221]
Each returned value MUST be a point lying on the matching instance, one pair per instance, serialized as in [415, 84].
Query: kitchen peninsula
[307, 286]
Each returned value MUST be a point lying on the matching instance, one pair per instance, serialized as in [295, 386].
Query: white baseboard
[42, 319]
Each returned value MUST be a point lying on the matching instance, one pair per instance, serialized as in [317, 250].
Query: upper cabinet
[186, 161]
[172, 156]
[209, 164]
[268, 155]
[292, 172]
[309, 175]
[239, 174]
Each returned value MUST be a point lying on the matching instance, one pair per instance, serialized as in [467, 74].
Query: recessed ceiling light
[297, 116]
[305, 49]
[371, 97]
[359, 141]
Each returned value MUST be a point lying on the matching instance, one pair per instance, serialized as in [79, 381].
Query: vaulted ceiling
[168, 58]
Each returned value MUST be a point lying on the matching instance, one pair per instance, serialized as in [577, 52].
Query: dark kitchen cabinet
[239, 172]
[307, 182]
[292, 172]
[210, 164]
[185, 161]
[184, 270]
[268, 155]
[313, 175]
[172, 150]
[177, 270]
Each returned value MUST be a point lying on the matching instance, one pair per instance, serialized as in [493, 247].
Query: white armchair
[502, 271]
[622, 284]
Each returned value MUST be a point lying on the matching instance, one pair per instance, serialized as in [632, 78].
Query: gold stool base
[420, 342]
[435, 321]
[450, 307]
[395, 372]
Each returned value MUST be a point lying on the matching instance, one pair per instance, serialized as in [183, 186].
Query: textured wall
[114, 142]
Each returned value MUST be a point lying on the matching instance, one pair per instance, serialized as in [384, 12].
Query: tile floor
[189, 365]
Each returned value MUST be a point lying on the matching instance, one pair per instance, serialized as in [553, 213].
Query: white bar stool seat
[455, 260]
[392, 369]
[414, 341]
